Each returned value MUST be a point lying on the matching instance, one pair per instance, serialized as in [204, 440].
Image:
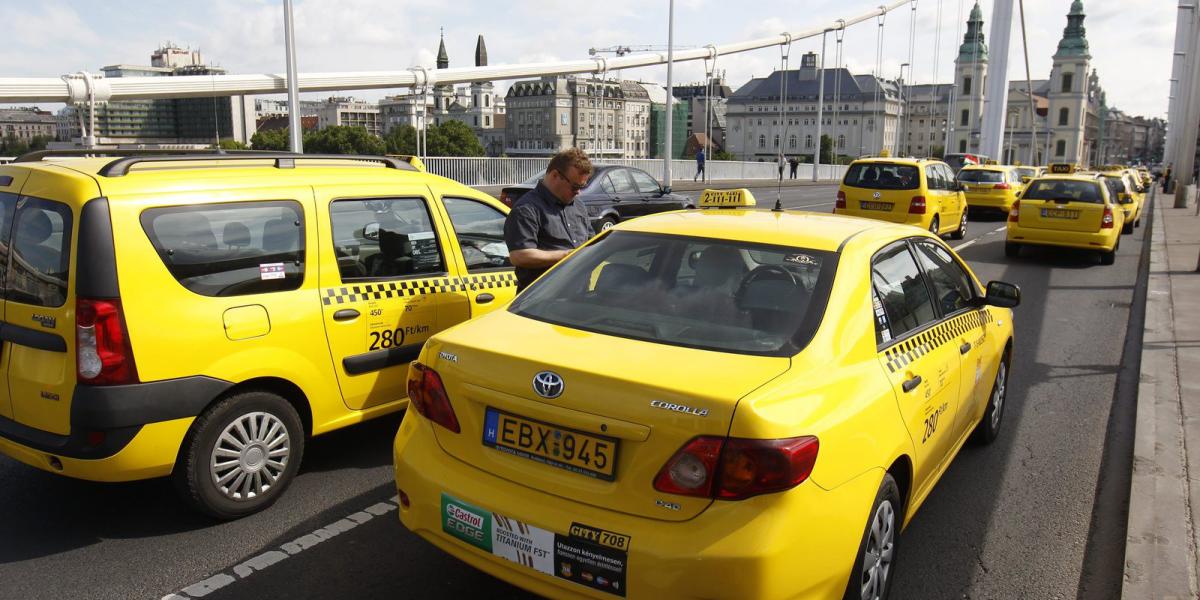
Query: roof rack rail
[38, 155]
[129, 158]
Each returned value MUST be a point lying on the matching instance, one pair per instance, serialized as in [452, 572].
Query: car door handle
[484, 298]
[964, 348]
[909, 385]
[345, 314]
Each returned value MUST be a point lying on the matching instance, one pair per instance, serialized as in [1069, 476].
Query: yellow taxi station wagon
[717, 403]
[202, 315]
[921, 192]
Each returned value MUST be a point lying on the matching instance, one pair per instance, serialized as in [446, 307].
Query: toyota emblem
[548, 384]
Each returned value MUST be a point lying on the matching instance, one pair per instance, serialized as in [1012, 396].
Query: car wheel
[871, 577]
[1138, 222]
[962, 228]
[935, 225]
[1108, 258]
[605, 224]
[240, 455]
[1012, 249]
[1127, 228]
[988, 428]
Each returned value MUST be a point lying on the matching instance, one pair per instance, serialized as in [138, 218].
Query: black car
[613, 194]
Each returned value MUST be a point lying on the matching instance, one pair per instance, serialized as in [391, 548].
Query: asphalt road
[1018, 519]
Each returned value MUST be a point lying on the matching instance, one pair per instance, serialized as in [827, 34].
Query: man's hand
[535, 258]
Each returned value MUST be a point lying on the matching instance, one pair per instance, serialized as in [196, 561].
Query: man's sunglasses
[574, 186]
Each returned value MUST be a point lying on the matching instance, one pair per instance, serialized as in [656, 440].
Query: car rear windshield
[883, 176]
[1063, 189]
[979, 176]
[721, 295]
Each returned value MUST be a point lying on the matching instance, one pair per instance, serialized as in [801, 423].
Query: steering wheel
[760, 272]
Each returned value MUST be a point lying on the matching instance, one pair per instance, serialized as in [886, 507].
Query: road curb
[1160, 554]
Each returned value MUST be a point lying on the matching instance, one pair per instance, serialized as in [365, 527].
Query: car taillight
[737, 468]
[1014, 213]
[103, 354]
[841, 200]
[427, 394]
[1001, 186]
[504, 199]
[917, 205]
[1106, 222]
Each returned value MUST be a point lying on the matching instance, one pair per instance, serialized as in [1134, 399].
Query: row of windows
[808, 141]
[795, 108]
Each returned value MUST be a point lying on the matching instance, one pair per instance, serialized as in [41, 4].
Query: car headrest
[236, 234]
[280, 235]
[34, 227]
[616, 276]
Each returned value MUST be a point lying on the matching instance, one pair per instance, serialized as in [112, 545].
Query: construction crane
[623, 50]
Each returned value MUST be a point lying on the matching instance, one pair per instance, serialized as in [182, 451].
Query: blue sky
[1131, 40]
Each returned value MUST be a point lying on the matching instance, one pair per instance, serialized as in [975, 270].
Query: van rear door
[11, 180]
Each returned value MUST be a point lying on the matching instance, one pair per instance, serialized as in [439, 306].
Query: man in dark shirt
[546, 223]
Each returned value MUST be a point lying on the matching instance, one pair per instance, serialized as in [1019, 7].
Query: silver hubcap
[998, 396]
[963, 225]
[934, 226]
[881, 544]
[250, 456]
[607, 225]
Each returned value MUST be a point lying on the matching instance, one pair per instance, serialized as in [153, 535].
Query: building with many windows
[606, 118]
[27, 122]
[349, 112]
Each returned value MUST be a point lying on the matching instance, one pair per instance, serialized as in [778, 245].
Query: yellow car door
[385, 271]
[922, 365]
[11, 181]
[477, 229]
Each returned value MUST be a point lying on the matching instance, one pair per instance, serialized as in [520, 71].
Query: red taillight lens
[1001, 186]
[737, 468]
[917, 205]
[427, 394]
[841, 200]
[103, 354]
[1107, 221]
[1014, 213]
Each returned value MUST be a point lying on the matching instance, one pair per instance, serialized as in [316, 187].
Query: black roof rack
[283, 160]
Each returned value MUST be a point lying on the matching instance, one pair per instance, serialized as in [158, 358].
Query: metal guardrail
[507, 171]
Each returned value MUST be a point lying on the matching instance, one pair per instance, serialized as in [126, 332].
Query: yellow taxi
[202, 316]
[1067, 209]
[1130, 195]
[1146, 177]
[1027, 173]
[723, 403]
[920, 192]
[993, 187]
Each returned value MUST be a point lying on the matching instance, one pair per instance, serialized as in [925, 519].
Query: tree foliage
[401, 140]
[232, 145]
[271, 139]
[723, 155]
[11, 145]
[453, 138]
[340, 139]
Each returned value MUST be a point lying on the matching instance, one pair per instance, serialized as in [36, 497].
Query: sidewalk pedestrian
[794, 163]
[780, 162]
[700, 165]
[1166, 179]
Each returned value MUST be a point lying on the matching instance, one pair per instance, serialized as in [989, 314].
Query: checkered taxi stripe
[350, 294]
[902, 354]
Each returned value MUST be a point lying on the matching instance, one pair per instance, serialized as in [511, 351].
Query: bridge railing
[507, 171]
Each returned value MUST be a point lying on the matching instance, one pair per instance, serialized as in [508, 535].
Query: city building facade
[27, 122]
[606, 118]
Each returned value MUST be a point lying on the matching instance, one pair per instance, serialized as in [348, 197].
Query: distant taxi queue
[720, 403]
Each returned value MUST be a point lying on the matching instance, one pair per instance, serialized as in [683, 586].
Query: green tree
[401, 140]
[938, 151]
[453, 138]
[723, 155]
[271, 139]
[233, 145]
[826, 150]
[340, 139]
[39, 142]
[11, 145]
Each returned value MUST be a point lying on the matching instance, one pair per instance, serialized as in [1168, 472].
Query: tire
[871, 576]
[1127, 228]
[605, 224]
[1138, 222]
[1012, 249]
[266, 425]
[1110, 257]
[935, 225]
[962, 228]
[988, 428]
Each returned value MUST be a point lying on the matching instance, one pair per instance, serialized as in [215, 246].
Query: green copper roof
[1074, 41]
[973, 49]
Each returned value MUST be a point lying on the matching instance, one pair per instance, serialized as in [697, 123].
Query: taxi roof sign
[1062, 168]
[738, 198]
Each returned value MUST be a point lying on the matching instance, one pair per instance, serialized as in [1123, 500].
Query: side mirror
[1126, 198]
[1002, 294]
[664, 190]
[1020, 192]
[371, 231]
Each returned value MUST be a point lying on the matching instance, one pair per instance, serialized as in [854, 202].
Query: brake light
[103, 355]
[504, 199]
[917, 205]
[1014, 213]
[1001, 186]
[1107, 221]
[427, 394]
[841, 200]
[737, 468]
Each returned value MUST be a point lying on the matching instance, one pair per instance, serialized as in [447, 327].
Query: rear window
[977, 176]
[883, 176]
[683, 291]
[41, 256]
[230, 249]
[1063, 189]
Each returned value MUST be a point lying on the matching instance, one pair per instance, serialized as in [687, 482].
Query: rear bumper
[797, 544]
[921, 221]
[997, 202]
[149, 452]
[1105, 239]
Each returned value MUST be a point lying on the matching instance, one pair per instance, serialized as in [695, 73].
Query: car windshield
[980, 176]
[882, 176]
[703, 293]
[1065, 189]
[535, 179]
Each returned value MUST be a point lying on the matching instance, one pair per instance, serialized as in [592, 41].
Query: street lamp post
[900, 114]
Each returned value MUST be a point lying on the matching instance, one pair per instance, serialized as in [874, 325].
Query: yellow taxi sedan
[1070, 210]
[993, 187]
[719, 403]
[1128, 194]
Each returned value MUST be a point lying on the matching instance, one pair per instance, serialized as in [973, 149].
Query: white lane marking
[965, 244]
[261, 561]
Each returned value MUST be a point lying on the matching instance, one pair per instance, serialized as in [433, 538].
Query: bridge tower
[970, 71]
[1070, 86]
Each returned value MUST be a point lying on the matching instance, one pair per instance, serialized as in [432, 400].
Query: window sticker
[271, 271]
[801, 259]
[424, 250]
[881, 321]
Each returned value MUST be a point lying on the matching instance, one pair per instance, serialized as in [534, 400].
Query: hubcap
[962, 226]
[877, 560]
[934, 226]
[998, 396]
[607, 225]
[250, 456]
